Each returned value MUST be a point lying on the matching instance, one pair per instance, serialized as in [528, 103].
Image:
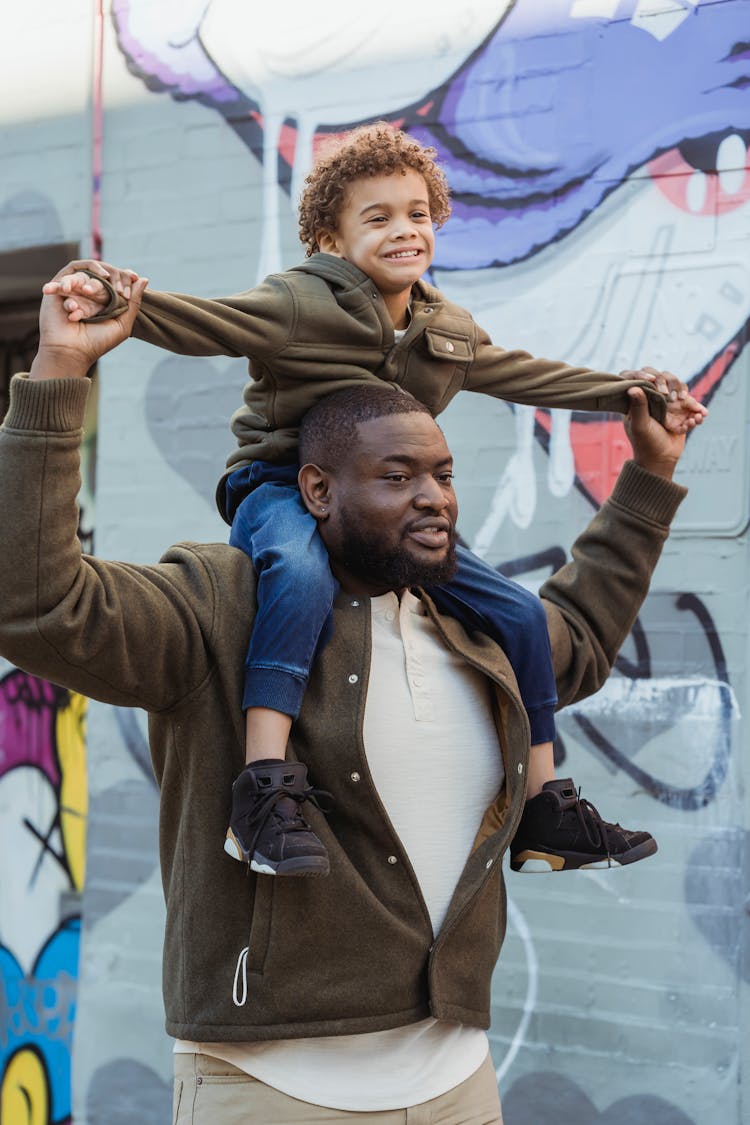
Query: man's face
[386, 230]
[392, 508]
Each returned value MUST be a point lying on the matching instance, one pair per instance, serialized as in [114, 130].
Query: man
[367, 990]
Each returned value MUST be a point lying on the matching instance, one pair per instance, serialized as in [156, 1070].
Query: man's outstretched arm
[122, 633]
[593, 601]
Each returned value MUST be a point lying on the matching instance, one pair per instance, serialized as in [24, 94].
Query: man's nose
[430, 495]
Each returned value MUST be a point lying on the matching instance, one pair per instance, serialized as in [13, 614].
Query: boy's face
[385, 229]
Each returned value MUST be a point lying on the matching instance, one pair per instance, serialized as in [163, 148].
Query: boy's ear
[314, 488]
[328, 242]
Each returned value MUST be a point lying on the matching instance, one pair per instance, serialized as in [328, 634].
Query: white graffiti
[305, 62]
[658, 17]
[31, 886]
[644, 282]
[661, 698]
[515, 916]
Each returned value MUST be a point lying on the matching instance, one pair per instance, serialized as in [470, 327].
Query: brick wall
[601, 216]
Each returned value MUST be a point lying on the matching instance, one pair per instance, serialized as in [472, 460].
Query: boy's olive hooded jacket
[323, 326]
[251, 957]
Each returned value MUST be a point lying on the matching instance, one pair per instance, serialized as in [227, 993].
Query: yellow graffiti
[70, 729]
[24, 1095]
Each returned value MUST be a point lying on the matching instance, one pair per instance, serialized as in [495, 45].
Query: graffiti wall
[597, 152]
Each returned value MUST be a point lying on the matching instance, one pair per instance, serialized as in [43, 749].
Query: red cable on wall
[97, 131]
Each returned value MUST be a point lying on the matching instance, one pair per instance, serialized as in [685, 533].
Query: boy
[357, 311]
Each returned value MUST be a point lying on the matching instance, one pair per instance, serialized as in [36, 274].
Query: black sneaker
[559, 832]
[267, 829]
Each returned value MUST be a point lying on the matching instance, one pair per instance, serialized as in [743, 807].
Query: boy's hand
[83, 296]
[684, 412]
[68, 348]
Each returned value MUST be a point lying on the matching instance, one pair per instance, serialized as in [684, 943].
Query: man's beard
[364, 554]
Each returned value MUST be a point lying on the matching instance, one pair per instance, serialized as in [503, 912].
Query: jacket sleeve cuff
[47, 405]
[647, 495]
[115, 306]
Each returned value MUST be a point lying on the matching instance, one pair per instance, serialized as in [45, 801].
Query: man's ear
[328, 242]
[314, 486]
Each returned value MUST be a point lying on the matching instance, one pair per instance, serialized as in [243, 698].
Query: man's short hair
[328, 431]
[371, 150]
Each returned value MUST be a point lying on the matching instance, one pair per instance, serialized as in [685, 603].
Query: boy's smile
[385, 229]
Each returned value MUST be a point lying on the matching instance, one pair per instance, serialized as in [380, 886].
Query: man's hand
[655, 448]
[84, 296]
[684, 412]
[68, 347]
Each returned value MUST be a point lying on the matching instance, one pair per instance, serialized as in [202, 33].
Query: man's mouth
[433, 533]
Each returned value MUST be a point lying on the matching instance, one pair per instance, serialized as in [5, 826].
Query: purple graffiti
[548, 117]
[28, 708]
[555, 112]
[168, 53]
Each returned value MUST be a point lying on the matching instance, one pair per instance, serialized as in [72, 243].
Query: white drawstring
[241, 961]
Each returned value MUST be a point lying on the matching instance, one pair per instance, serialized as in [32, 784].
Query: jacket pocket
[442, 371]
[448, 346]
[251, 960]
[260, 927]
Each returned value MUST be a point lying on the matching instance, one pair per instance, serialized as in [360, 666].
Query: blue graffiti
[38, 1010]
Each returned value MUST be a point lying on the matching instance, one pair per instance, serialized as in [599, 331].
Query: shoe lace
[594, 828]
[292, 821]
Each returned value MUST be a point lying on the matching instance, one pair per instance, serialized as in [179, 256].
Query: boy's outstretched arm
[254, 323]
[519, 377]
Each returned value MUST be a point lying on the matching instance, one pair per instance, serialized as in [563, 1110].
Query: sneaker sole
[300, 866]
[307, 866]
[529, 862]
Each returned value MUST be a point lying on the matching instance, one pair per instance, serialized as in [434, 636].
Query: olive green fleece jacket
[322, 326]
[250, 957]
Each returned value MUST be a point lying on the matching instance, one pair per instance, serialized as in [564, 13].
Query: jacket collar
[343, 275]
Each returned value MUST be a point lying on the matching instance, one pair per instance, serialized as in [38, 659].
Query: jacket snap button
[353, 678]
[520, 767]
[355, 604]
[449, 346]
[199, 1080]
[354, 776]
[488, 864]
[392, 859]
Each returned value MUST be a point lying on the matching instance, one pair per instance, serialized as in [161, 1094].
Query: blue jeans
[271, 525]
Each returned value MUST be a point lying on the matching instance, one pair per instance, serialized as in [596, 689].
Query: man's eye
[446, 478]
[396, 478]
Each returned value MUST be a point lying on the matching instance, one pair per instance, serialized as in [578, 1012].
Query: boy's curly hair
[371, 150]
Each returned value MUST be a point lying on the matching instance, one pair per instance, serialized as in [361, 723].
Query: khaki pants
[210, 1092]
